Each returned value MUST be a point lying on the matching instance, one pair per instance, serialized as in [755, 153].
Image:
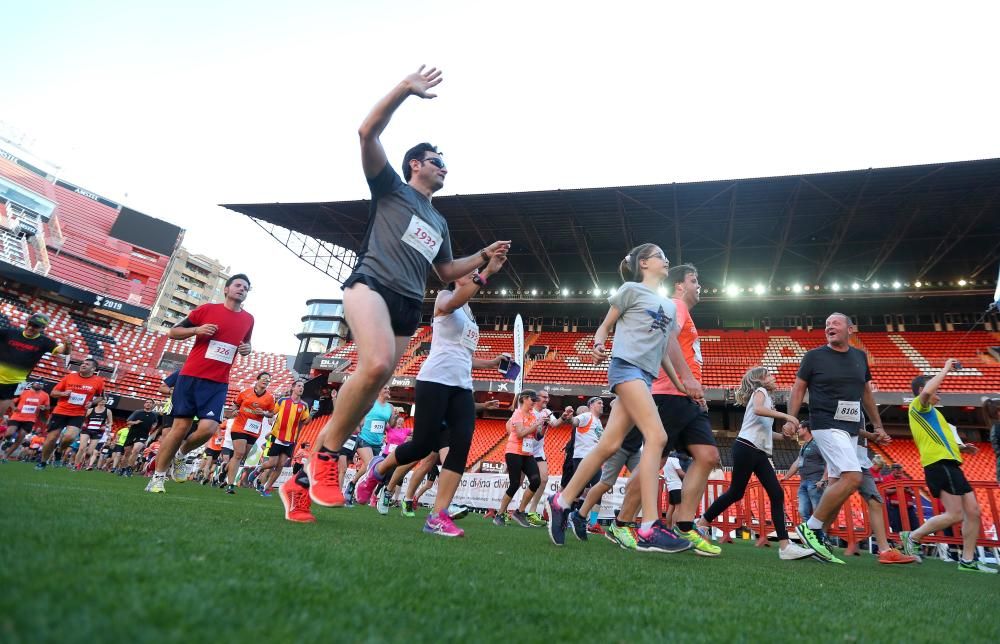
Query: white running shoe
[794, 551]
[456, 512]
[179, 469]
[155, 484]
[382, 505]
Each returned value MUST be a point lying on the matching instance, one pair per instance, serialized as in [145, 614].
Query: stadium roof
[927, 222]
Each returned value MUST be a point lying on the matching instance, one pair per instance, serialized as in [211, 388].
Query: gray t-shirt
[811, 463]
[641, 332]
[405, 236]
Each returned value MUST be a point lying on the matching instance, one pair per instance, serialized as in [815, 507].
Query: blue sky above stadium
[184, 105]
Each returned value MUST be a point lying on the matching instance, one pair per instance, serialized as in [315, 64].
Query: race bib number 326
[423, 238]
[221, 351]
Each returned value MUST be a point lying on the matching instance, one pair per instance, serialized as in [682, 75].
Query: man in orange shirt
[253, 405]
[291, 414]
[74, 393]
[27, 409]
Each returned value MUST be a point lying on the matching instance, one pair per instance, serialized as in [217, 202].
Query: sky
[175, 107]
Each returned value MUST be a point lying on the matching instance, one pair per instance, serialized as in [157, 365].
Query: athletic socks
[592, 518]
[685, 526]
[302, 478]
[562, 503]
[646, 526]
[814, 524]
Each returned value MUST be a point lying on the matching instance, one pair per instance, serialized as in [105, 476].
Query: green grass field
[90, 557]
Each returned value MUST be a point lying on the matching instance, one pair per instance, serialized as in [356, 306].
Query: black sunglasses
[434, 161]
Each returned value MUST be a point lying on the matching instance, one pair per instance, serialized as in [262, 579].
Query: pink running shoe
[443, 525]
[368, 482]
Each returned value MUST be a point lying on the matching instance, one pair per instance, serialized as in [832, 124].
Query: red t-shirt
[27, 405]
[81, 392]
[690, 347]
[212, 357]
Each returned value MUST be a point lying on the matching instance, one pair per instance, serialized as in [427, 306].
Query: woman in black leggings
[752, 455]
[520, 460]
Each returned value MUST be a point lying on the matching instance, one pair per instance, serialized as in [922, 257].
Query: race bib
[470, 335]
[349, 443]
[378, 427]
[29, 409]
[849, 411]
[77, 399]
[423, 238]
[221, 351]
[528, 445]
[252, 427]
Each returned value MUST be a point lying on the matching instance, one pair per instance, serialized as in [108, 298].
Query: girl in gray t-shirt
[645, 327]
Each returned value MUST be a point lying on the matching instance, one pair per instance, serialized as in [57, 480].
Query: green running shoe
[975, 566]
[623, 535]
[909, 546]
[536, 520]
[699, 544]
[814, 541]
[406, 509]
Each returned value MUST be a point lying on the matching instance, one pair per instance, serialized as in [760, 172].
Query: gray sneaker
[520, 518]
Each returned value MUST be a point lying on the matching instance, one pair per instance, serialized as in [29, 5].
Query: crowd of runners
[654, 372]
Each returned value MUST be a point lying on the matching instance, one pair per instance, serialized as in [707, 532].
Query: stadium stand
[895, 357]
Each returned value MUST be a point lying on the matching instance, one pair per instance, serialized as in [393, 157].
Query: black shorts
[119, 449]
[540, 459]
[132, 440]
[946, 476]
[59, 422]
[675, 497]
[404, 312]
[685, 421]
[433, 473]
[349, 447]
[21, 425]
[214, 453]
[9, 392]
[93, 433]
[277, 449]
[227, 451]
[242, 436]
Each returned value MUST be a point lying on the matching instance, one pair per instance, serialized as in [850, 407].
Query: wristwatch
[479, 280]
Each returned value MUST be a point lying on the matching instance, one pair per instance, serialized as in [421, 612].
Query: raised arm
[934, 383]
[419, 83]
[450, 301]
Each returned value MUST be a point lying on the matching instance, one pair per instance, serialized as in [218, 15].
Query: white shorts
[539, 451]
[839, 450]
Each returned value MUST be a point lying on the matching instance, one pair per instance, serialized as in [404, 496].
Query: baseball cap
[39, 319]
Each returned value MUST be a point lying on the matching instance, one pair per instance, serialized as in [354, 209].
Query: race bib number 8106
[849, 411]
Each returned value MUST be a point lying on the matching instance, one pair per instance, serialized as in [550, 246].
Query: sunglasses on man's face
[434, 161]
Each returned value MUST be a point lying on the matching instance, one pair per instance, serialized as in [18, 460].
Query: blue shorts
[199, 397]
[620, 371]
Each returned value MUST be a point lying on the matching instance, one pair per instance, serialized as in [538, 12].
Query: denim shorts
[620, 371]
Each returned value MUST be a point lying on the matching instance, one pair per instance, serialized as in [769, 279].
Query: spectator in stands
[879, 468]
[991, 409]
[811, 469]
[897, 473]
[941, 455]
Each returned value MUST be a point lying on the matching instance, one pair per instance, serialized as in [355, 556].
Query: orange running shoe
[893, 556]
[295, 498]
[324, 487]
